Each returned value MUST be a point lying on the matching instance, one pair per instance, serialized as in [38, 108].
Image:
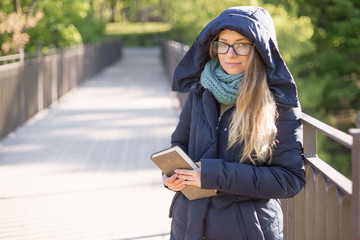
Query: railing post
[54, 65]
[22, 85]
[355, 170]
[309, 140]
[40, 80]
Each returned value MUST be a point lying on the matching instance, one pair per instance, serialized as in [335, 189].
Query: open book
[175, 158]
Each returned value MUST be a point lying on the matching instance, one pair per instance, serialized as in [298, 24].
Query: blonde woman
[241, 124]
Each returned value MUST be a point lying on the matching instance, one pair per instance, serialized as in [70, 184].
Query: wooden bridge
[78, 166]
[81, 170]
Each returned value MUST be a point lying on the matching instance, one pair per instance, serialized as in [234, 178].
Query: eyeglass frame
[231, 46]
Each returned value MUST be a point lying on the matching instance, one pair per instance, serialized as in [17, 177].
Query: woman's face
[230, 61]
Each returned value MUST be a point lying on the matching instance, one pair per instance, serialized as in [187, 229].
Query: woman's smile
[231, 64]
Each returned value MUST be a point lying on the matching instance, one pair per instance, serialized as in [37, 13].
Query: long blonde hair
[253, 122]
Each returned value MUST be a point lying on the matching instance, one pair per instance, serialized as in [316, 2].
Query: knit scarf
[223, 86]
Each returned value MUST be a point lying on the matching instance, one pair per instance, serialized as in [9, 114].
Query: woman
[241, 123]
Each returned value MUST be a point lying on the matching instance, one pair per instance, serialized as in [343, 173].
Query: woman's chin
[233, 71]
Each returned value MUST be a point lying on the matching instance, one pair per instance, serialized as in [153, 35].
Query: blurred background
[319, 40]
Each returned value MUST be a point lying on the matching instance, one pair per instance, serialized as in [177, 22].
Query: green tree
[335, 61]
[66, 22]
[35, 24]
[335, 65]
[15, 21]
[145, 10]
[328, 77]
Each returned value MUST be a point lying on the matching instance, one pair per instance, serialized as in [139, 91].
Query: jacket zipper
[208, 203]
[220, 117]
[218, 122]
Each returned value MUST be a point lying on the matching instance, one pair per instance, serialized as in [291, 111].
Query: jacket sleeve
[285, 176]
[181, 134]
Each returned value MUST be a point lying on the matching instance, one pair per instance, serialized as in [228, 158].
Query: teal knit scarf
[223, 86]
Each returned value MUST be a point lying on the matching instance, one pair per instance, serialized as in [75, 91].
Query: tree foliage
[335, 61]
[14, 26]
[46, 23]
[67, 22]
[328, 77]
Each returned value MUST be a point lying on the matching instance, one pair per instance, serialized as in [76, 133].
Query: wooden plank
[345, 218]
[300, 215]
[355, 198]
[291, 223]
[284, 207]
[309, 205]
[332, 214]
[320, 208]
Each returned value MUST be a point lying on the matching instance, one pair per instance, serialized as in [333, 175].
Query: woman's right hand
[173, 182]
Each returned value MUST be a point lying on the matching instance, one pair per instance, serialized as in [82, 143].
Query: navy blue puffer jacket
[247, 205]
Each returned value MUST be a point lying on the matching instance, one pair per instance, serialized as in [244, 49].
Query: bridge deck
[81, 169]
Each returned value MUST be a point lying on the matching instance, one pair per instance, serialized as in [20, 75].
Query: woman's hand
[190, 177]
[173, 182]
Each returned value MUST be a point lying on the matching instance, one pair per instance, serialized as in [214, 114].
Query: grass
[138, 34]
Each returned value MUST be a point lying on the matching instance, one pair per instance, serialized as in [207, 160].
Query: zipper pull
[218, 123]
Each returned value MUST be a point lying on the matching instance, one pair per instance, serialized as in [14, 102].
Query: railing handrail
[4, 60]
[14, 59]
[331, 175]
[333, 133]
[339, 180]
[178, 46]
[10, 57]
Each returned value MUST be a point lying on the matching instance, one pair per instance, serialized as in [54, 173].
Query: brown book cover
[175, 158]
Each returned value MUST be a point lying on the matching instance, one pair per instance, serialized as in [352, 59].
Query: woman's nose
[231, 52]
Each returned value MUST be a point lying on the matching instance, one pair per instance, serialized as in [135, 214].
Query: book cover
[175, 158]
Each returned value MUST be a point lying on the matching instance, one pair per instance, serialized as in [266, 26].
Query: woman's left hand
[190, 177]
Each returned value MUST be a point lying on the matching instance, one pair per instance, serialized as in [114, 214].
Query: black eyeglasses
[241, 49]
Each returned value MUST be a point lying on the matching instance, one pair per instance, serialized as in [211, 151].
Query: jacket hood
[256, 24]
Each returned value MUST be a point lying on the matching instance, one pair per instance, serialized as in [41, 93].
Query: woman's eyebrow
[237, 40]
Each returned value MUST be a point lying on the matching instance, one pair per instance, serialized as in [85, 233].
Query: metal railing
[31, 82]
[328, 207]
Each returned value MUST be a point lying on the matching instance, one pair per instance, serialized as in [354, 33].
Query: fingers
[170, 179]
[188, 172]
[173, 182]
[196, 183]
[190, 177]
[183, 172]
[183, 177]
[177, 187]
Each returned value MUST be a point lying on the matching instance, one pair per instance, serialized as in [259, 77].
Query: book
[175, 158]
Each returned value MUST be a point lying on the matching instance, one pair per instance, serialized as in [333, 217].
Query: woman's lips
[232, 64]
